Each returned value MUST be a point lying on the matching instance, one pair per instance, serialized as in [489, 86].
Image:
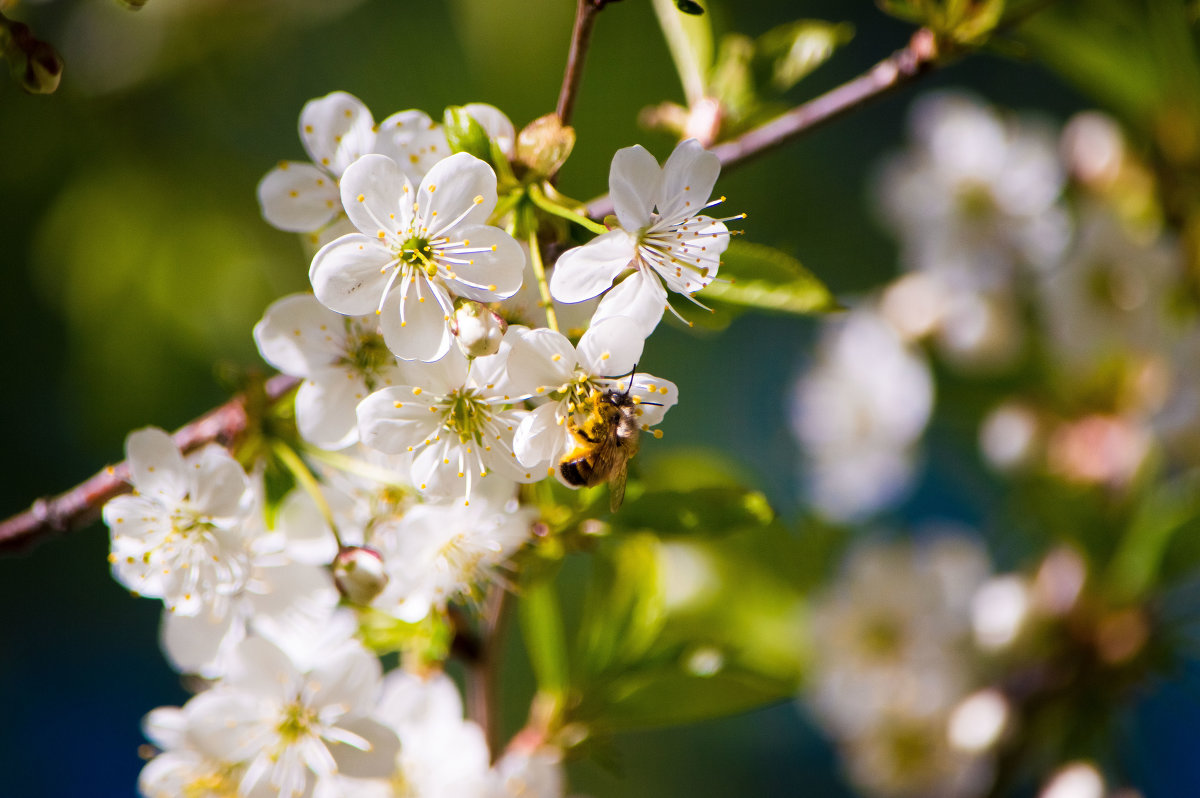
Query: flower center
[297, 722]
[465, 414]
[212, 785]
[366, 353]
[417, 252]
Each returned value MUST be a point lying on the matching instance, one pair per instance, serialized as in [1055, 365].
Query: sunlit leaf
[677, 630]
[761, 277]
[542, 626]
[700, 512]
[795, 49]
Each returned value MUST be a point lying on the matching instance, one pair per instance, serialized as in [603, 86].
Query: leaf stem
[300, 470]
[549, 206]
[539, 271]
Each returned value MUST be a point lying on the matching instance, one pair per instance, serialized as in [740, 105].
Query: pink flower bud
[359, 574]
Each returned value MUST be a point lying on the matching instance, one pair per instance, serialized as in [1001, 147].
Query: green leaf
[1137, 564]
[763, 278]
[542, 626]
[795, 49]
[622, 610]
[701, 512]
[678, 630]
[690, 468]
[690, 41]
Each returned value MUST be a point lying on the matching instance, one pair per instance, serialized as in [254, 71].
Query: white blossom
[567, 377]
[182, 767]
[183, 535]
[289, 725]
[858, 414]
[662, 236]
[437, 553]
[416, 250]
[336, 130]
[456, 417]
[340, 358]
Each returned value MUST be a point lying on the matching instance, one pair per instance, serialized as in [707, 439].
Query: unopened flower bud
[359, 574]
[544, 145]
[477, 329]
[34, 63]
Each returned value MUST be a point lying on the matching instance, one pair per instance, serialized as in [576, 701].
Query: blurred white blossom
[858, 413]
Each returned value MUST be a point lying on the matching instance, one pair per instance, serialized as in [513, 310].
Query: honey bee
[604, 442]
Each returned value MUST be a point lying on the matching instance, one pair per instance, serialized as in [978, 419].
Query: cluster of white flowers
[426, 398]
[894, 681]
[1025, 250]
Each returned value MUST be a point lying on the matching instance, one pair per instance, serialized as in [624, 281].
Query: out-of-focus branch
[81, 505]
[581, 37]
[483, 669]
[904, 66]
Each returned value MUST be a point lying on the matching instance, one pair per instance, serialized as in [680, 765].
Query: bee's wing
[616, 483]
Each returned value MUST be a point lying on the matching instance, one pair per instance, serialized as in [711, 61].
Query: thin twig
[904, 66]
[81, 505]
[581, 37]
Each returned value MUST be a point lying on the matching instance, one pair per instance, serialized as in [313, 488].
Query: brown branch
[581, 37]
[81, 505]
[901, 68]
[483, 670]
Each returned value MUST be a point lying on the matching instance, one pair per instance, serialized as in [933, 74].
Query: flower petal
[611, 347]
[155, 465]
[347, 276]
[633, 181]
[450, 189]
[487, 276]
[422, 334]
[346, 683]
[263, 670]
[688, 178]
[336, 129]
[540, 358]
[298, 197]
[373, 191]
[640, 296]
[325, 408]
[194, 644]
[541, 441]
[394, 419]
[297, 333]
[218, 482]
[378, 761]
[584, 272]
[412, 140]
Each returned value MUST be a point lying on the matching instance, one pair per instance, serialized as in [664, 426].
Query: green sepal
[465, 134]
[755, 276]
[427, 640]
